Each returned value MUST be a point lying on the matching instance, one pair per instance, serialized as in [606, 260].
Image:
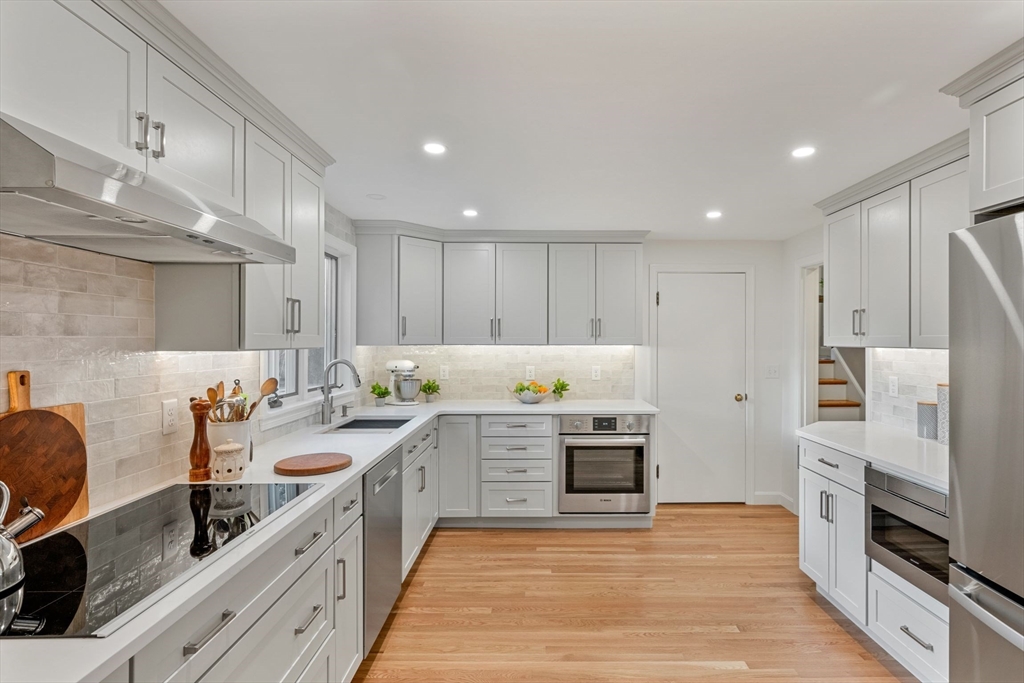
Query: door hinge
[657, 298]
[657, 471]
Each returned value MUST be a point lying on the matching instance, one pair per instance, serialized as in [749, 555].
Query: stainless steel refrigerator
[986, 378]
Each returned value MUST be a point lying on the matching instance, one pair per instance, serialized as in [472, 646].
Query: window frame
[303, 404]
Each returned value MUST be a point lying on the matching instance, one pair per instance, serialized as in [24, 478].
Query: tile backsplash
[485, 372]
[918, 371]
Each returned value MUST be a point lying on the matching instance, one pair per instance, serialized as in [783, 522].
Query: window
[300, 372]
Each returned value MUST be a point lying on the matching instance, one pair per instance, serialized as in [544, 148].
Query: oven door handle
[625, 441]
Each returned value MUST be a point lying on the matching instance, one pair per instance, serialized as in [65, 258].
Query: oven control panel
[604, 424]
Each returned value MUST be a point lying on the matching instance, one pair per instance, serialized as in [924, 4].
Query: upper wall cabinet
[938, 206]
[306, 297]
[469, 294]
[521, 293]
[72, 69]
[595, 293]
[420, 286]
[997, 148]
[619, 307]
[842, 277]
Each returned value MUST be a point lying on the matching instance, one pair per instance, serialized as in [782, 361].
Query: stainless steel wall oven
[605, 464]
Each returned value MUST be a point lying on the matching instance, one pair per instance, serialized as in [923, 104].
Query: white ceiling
[607, 115]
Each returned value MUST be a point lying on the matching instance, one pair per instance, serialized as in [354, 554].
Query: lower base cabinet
[910, 632]
[348, 611]
[419, 506]
[459, 466]
[324, 665]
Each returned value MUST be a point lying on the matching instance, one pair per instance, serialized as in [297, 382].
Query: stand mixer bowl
[407, 389]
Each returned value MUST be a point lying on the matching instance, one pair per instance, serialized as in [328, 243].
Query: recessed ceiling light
[378, 197]
[714, 214]
[803, 152]
[434, 148]
[469, 212]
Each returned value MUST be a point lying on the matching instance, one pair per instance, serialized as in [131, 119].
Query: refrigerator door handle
[963, 598]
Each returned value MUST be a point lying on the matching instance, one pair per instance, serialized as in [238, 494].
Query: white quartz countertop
[89, 659]
[892, 449]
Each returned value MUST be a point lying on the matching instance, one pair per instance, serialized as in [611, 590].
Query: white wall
[767, 396]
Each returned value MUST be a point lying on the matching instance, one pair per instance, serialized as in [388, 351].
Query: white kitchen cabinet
[917, 637]
[572, 293]
[619, 309]
[997, 148]
[938, 206]
[307, 274]
[72, 69]
[348, 610]
[458, 466]
[419, 291]
[427, 505]
[410, 516]
[516, 499]
[521, 293]
[324, 665]
[197, 142]
[885, 269]
[842, 277]
[469, 293]
[814, 527]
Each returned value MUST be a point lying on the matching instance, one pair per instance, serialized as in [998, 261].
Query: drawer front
[222, 618]
[283, 642]
[515, 425]
[514, 499]
[912, 631]
[832, 464]
[348, 506]
[519, 448]
[417, 444]
[515, 470]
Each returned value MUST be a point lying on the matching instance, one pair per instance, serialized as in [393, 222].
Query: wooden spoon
[266, 389]
[211, 394]
[220, 389]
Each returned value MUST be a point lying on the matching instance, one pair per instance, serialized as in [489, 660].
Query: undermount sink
[370, 425]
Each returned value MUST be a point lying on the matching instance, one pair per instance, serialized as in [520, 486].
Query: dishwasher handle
[383, 481]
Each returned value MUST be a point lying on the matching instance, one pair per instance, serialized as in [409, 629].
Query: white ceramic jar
[229, 461]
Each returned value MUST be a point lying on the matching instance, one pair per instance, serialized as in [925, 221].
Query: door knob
[738, 397]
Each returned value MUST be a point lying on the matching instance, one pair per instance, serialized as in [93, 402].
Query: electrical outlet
[530, 372]
[771, 372]
[169, 415]
[444, 372]
[170, 547]
[595, 372]
[894, 386]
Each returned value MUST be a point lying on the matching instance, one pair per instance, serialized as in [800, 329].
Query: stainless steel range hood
[54, 190]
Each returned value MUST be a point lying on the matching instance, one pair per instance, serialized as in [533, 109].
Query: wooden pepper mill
[199, 454]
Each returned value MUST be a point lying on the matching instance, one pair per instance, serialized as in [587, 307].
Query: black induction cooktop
[91, 578]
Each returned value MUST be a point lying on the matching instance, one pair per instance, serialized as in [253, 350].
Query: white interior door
[702, 370]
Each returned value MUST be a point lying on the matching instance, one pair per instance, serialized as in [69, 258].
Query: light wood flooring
[712, 592]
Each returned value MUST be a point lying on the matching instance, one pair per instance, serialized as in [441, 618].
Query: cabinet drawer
[911, 631]
[515, 470]
[832, 464]
[503, 448]
[515, 425]
[229, 612]
[280, 645]
[514, 499]
[348, 505]
[417, 444]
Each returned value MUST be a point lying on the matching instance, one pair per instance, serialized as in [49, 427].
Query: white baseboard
[559, 522]
[771, 498]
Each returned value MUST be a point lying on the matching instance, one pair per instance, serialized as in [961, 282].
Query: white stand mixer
[404, 387]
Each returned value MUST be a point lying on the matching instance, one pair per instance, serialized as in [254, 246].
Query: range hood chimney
[54, 190]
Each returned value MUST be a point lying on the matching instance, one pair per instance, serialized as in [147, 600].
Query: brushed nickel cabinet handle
[516, 470]
[499, 328]
[299, 315]
[926, 645]
[861, 319]
[226, 617]
[821, 504]
[590, 329]
[351, 504]
[492, 328]
[515, 500]
[299, 630]
[515, 425]
[831, 508]
[403, 327]
[598, 327]
[160, 151]
[423, 479]
[517, 448]
[304, 549]
[142, 144]
[833, 465]
[853, 323]
[344, 579]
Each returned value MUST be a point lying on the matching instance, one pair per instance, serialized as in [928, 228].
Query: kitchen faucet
[328, 409]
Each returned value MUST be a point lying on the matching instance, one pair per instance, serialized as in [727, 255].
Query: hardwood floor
[712, 592]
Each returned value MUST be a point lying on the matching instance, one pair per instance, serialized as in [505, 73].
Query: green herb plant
[379, 391]
[559, 387]
[430, 387]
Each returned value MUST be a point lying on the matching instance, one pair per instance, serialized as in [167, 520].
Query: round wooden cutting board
[312, 463]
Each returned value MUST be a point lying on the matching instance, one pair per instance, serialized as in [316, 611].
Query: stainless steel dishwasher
[382, 515]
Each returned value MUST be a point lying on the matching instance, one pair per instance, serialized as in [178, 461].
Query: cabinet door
[348, 612]
[410, 516]
[814, 527]
[307, 275]
[459, 467]
[469, 294]
[324, 665]
[619, 309]
[938, 206]
[197, 142]
[572, 293]
[268, 196]
[997, 148]
[419, 291]
[426, 504]
[885, 268]
[72, 69]
[848, 565]
[842, 277]
[522, 293]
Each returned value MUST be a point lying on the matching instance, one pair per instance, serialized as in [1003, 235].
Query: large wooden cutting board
[42, 456]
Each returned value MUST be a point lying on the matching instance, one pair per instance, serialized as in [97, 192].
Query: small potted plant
[380, 393]
[559, 387]
[430, 389]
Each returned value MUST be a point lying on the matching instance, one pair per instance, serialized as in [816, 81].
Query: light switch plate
[771, 372]
[595, 372]
[894, 386]
[531, 373]
[169, 415]
[444, 372]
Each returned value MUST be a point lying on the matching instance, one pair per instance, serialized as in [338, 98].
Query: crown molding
[388, 227]
[162, 30]
[936, 156]
[995, 73]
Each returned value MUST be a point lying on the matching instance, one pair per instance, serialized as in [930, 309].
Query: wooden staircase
[833, 402]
